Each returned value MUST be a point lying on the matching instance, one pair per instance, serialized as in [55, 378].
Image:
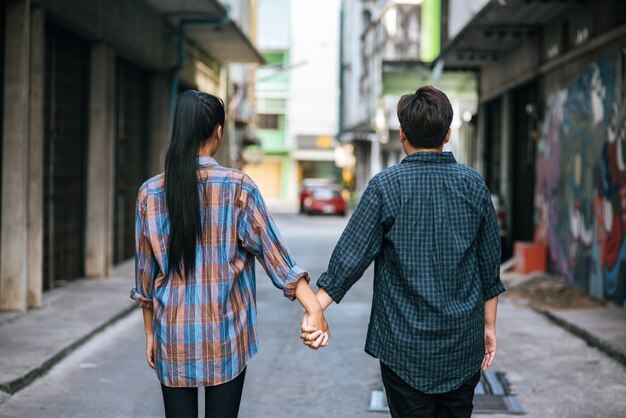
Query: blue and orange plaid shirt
[205, 325]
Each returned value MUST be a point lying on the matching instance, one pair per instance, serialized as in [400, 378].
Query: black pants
[408, 402]
[221, 401]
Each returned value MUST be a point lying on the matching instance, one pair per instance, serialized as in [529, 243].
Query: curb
[20, 383]
[590, 339]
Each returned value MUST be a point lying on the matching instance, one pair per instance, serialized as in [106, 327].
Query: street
[554, 373]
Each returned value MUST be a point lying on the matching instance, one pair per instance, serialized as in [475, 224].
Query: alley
[553, 373]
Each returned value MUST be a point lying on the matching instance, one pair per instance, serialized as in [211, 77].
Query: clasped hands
[315, 331]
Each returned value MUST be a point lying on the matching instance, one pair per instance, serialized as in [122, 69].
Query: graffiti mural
[580, 191]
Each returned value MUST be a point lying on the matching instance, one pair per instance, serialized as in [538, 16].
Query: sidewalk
[601, 325]
[31, 343]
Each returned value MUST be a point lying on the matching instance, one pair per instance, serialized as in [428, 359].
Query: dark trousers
[221, 401]
[408, 402]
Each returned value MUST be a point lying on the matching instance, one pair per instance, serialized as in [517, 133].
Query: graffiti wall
[580, 191]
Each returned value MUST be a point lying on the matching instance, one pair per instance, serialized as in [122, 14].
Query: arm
[488, 251]
[314, 327]
[307, 299]
[358, 246]
[145, 271]
[491, 307]
[260, 236]
[146, 267]
[324, 298]
[147, 326]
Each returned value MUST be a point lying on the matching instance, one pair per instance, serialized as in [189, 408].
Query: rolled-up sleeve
[260, 236]
[489, 251]
[146, 267]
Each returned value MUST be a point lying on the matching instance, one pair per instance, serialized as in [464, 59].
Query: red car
[308, 185]
[325, 201]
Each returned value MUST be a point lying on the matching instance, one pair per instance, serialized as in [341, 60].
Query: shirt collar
[206, 160]
[434, 157]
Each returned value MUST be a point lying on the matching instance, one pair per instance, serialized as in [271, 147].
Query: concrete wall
[160, 85]
[136, 30]
[35, 159]
[115, 28]
[101, 167]
[14, 236]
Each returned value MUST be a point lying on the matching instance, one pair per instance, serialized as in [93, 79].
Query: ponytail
[196, 117]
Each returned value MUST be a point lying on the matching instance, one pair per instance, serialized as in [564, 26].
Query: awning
[499, 27]
[189, 8]
[224, 41]
[206, 24]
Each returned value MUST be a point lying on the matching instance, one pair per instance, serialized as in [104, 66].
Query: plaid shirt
[431, 228]
[205, 325]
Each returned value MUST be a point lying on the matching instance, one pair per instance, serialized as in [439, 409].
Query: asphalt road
[554, 373]
[108, 376]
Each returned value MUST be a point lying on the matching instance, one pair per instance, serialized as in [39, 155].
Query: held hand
[150, 350]
[315, 332]
[490, 348]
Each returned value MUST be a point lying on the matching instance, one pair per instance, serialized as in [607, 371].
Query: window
[268, 121]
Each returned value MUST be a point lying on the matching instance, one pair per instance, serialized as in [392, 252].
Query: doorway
[131, 152]
[65, 154]
[523, 148]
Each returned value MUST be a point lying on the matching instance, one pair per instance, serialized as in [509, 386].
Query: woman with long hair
[199, 228]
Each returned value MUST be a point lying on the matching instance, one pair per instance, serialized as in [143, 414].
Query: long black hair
[196, 117]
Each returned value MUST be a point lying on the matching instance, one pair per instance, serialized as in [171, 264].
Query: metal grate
[492, 395]
[66, 129]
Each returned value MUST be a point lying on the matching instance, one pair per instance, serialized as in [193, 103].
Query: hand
[315, 332]
[490, 348]
[150, 350]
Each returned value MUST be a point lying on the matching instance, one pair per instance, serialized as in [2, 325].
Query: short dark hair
[425, 117]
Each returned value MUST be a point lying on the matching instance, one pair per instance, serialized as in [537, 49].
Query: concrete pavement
[553, 372]
[32, 343]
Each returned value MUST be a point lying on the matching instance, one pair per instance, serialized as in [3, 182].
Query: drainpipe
[181, 58]
[341, 83]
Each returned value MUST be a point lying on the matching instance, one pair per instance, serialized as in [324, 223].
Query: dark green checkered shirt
[431, 228]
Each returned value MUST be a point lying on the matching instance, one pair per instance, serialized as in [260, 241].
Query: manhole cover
[492, 395]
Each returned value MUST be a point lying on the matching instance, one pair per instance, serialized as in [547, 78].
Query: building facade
[272, 172]
[387, 50]
[314, 90]
[297, 97]
[551, 129]
[86, 103]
